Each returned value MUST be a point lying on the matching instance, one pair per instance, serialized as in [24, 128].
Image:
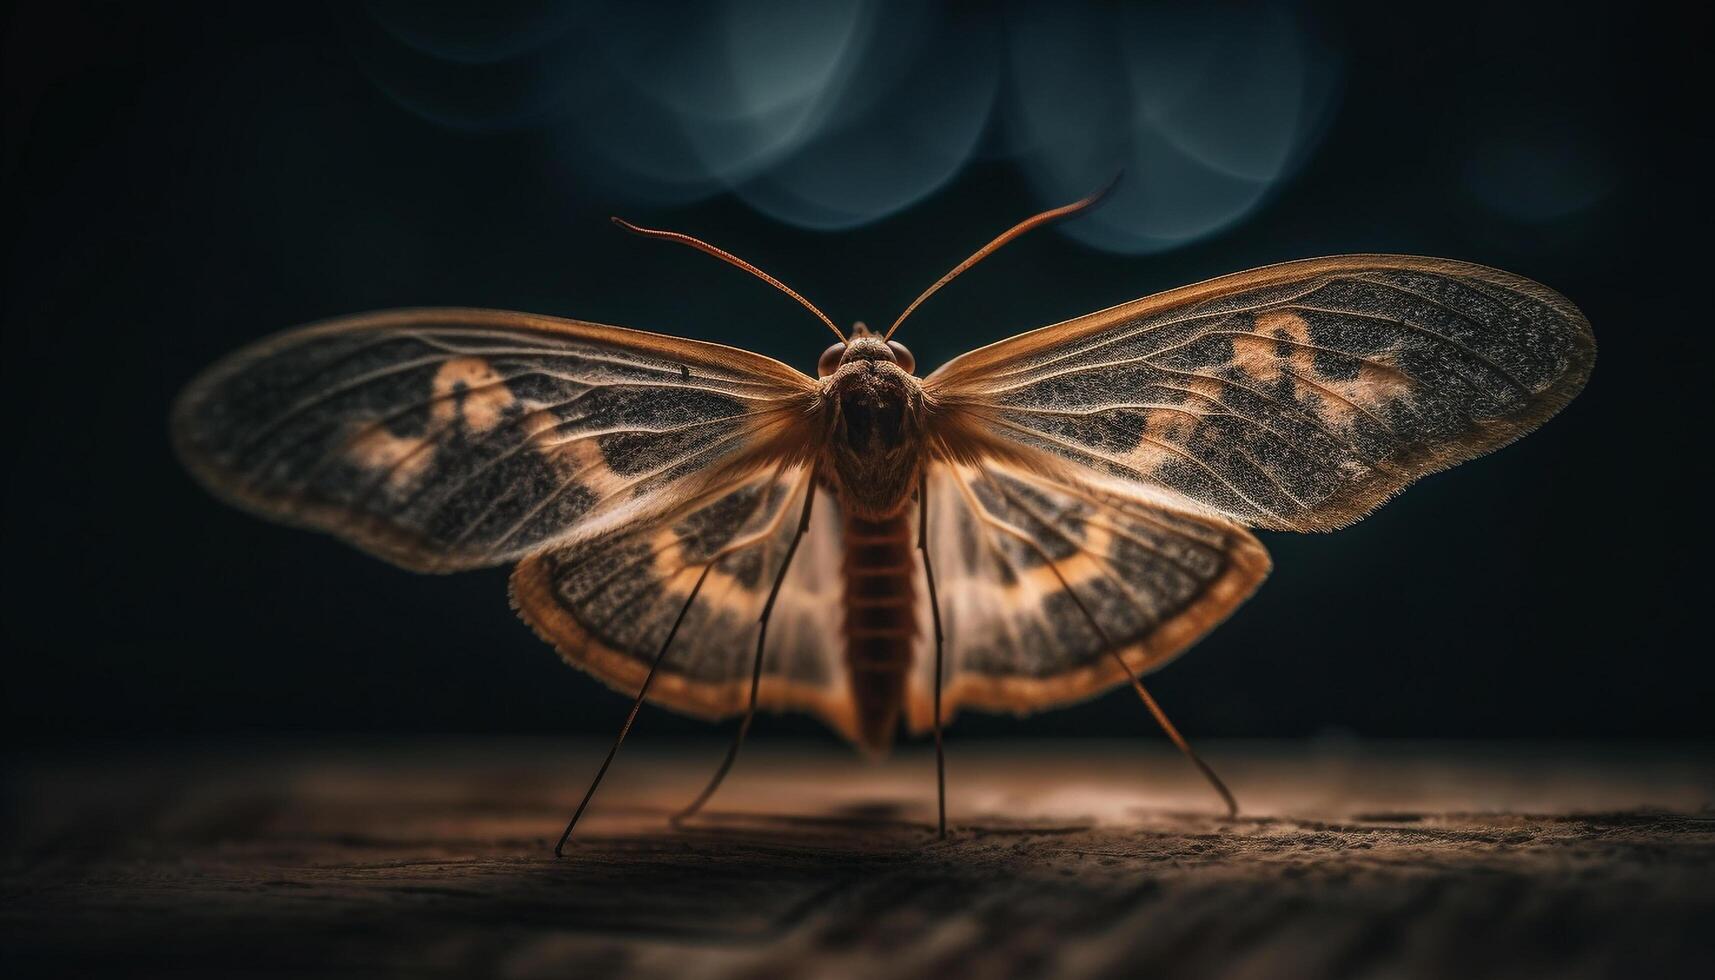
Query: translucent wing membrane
[1088, 483]
[607, 607]
[1039, 577]
[1297, 396]
[451, 438]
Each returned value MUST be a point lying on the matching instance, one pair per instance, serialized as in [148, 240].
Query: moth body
[1083, 490]
[880, 622]
[874, 411]
[684, 514]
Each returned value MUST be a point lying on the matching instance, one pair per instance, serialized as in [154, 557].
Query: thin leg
[1178, 739]
[1137, 685]
[625, 729]
[935, 615]
[756, 666]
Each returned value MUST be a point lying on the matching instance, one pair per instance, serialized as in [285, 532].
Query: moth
[1030, 525]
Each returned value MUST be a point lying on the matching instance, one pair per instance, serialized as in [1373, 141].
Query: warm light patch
[484, 397]
[580, 458]
[1338, 400]
[1170, 425]
[402, 458]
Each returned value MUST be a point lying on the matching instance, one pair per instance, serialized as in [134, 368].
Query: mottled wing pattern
[1024, 562]
[607, 606]
[452, 438]
[1298, 396]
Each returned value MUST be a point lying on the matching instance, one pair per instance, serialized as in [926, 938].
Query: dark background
[180, 180]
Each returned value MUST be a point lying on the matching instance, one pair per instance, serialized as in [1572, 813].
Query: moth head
[863, 345]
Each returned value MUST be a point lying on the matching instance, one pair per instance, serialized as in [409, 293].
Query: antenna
[1053, 214]
[731, 259]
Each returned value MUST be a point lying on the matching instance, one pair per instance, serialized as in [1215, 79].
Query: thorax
[875, 445]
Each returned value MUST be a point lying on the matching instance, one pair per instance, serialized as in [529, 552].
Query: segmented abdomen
[880, 622]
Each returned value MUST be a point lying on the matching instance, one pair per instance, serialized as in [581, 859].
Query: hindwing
[608, 606]
[1039, 578]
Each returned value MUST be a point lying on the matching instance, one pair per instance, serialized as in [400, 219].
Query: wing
[608, 606]
[443, 439]
[1297, 396]
[1025, 560]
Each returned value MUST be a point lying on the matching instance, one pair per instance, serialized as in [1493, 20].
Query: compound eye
[903, 356]
[829, 362]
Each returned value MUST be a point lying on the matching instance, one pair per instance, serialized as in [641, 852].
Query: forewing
[1039, 577]
[607, 606]
[1297, 396]
[452, 438]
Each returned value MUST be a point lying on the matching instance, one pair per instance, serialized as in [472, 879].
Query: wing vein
[1110, 337]
[1085, 451]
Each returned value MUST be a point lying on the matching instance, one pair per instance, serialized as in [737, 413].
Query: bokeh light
[1539, 172]
[1203, 112]
[835, 115]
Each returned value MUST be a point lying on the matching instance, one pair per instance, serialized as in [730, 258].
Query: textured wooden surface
[1069, 859]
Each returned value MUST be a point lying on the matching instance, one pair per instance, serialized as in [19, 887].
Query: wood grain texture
[1066, 859]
